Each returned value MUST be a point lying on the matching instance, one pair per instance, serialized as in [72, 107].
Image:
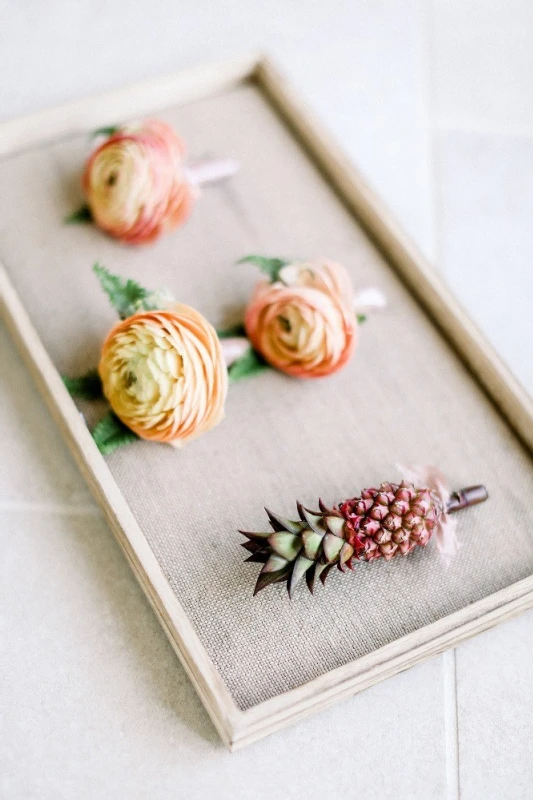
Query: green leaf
[88, 386]
[233, 330]
[251, 363]
[270, 266]
[83, 214]
[108, 130]
[126, 296]
[361, 318]
[110, 434]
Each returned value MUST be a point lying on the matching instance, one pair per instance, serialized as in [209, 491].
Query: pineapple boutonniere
[137, 185]
[383, 522]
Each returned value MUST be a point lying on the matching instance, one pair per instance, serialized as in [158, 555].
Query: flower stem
[463, 498]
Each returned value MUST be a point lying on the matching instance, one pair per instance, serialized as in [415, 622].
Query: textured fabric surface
[404, 397]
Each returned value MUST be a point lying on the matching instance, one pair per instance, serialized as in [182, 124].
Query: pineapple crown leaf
[258, 558]
[280, 523]
[301, 566]
[267, 578]
[312, 519]
[296, 548]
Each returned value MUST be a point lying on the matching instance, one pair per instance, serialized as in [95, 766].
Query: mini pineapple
[381, 523]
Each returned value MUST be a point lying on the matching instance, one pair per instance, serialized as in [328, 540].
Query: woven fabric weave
[404, 397]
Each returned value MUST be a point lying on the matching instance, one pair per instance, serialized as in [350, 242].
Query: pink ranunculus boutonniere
[303, 320]
[137, 185]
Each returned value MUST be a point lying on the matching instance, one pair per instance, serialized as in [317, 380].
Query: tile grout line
[49, 508]
[451, 724]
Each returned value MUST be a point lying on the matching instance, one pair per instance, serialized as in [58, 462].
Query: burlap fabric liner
[405, 396]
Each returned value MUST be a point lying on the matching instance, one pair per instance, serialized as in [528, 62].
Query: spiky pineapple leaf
[270, 266]
[251, 363]
[110, 434]
[361, 318]
[266, 578]
[325, 572]
[88, 386]
[258, 557]
[81, 215]
[280, 523]
[252, 547]
[301, 566]
[233, 330]
[106, 130]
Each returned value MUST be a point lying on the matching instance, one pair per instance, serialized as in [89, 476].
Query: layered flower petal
[135, 184]
[164, 374]
[304, 324]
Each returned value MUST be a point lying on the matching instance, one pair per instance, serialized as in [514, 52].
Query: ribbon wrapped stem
[463, 498]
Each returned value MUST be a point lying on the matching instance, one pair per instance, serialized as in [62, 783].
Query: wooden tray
[424, 386]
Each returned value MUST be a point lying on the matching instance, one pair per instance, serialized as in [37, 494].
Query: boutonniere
[303, 317]
[137, 184]
[161, 369]
[381, 523]
[164, 369]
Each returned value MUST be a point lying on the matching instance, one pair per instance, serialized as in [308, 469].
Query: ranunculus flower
[135, 185]
[304, 322]
[164, 374]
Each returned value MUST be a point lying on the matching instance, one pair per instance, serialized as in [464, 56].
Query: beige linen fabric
[404, 397]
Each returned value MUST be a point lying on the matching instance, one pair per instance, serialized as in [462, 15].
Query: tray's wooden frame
[239, 728]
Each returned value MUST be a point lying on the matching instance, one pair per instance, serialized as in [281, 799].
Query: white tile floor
[435, 102]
